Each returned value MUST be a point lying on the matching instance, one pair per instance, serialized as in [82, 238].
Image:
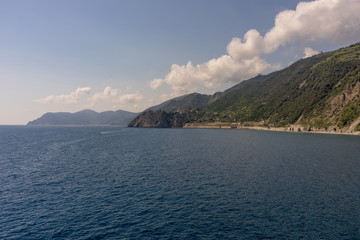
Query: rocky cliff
[159, 119]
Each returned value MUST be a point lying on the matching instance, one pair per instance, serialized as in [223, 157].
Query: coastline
[291, 128]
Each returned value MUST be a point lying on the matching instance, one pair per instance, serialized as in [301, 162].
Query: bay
[126, 183]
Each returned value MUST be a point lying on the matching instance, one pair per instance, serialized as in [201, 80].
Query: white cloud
[183, 78]
[156, 83]
[109, 98]
[309, 52]
[251, 46]
[130, 98]
[71, 98]
[108, 93]
[336, 20]
[85, 90]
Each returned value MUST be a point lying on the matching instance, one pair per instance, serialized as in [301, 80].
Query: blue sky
[67, 55]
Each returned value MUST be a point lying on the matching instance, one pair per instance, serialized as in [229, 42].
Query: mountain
[85, 117]
[159, 119]
[193, 100]
[320, 92]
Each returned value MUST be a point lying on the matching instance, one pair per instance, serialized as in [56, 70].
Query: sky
[70, 55]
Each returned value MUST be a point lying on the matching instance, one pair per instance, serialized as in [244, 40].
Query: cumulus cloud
[109, 98]
[156, 83]
[309, 52]
[71, 98]
[130, 98]
[335, 20]
[182, 78]
[113, 96]
[85, 90]
[108, 93]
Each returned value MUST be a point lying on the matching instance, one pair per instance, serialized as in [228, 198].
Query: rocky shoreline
[291, 128]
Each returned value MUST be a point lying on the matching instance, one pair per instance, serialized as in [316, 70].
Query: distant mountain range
[317, 93]
[85, 117]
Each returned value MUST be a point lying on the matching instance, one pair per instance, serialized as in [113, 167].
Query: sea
[116, 182]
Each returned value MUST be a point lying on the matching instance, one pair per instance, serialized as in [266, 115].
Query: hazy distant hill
[85, 117]
[320, 92]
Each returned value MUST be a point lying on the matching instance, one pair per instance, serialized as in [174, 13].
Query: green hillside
[194, 100]
[321, 92]
[306, 92]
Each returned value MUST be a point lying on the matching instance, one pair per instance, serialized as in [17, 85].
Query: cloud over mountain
[334, 20]
[130, 98]
[309, 52]
[108, 93]
[71, 98]
[108, 98]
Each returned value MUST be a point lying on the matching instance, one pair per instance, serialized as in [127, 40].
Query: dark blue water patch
[124, 183]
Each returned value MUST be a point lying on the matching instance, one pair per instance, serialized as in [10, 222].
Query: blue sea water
[126, 183]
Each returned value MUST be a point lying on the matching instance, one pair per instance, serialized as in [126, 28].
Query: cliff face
[321, 92]
[158, 119]
[152, 119]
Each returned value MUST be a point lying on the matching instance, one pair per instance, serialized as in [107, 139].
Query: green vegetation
[350, 112]
[351, 53]
[321, 91]
[194, 100]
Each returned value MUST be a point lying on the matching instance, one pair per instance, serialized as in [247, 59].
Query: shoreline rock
[291, 128]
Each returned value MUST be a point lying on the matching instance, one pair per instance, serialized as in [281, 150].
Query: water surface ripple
[124, 183]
